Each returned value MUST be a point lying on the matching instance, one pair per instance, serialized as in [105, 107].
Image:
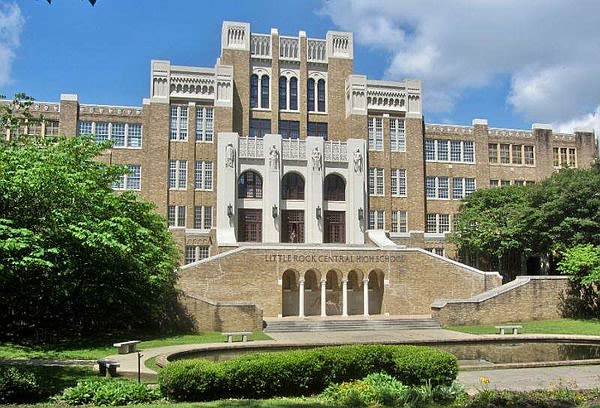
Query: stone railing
[110, 110]
[316, 50]
[260, 45]
[451, 129]
[251, 148]
[335, 151]
[289, 48]
[293, 149]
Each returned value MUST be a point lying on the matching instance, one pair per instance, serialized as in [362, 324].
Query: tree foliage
[76, 257]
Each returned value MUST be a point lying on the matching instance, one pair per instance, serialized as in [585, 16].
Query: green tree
[76, 257]
[582, 264]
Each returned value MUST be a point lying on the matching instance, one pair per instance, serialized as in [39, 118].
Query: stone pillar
[366, 296]
[301, 297]
[323, 298]
[344, 297]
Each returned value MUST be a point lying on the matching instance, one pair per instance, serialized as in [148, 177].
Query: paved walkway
[580, 376]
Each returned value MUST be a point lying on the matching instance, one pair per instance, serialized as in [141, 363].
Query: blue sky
[511, 62]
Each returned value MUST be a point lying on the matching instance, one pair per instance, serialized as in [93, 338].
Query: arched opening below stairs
[333, 294]
[289, 293]
[376, 285]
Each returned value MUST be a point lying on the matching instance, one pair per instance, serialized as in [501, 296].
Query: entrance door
[292, 226]
[335, 227]
[249, 225]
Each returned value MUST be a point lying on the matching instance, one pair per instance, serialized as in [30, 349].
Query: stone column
[366, 296]
[344, 297]
[301, 297]
[323, 298]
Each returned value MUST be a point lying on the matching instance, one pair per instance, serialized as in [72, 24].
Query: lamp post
[229, 210]
[274, 211]
[318, 212]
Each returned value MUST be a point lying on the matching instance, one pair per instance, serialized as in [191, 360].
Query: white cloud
[589, 121]
[11, 25]
[549, 49]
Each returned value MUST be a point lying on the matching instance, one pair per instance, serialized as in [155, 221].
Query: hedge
[303, 372]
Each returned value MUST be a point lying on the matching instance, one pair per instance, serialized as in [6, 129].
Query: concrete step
[283, 325]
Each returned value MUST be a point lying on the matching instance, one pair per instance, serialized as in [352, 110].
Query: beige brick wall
[526, 298]
[222, 316]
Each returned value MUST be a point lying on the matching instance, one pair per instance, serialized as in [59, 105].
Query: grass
[270, 403]
[559, 326]
[98, 348]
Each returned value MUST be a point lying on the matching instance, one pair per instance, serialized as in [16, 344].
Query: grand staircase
[336, 325]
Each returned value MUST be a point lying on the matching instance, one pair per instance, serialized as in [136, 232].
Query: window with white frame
[376, 219]
[436, 187]
[123, 135]
[454, 151]
[132, 180]
[564, 156]
[178, 124]
[511, 154]
[399, 221]
[397, 135]
[375, 133]
[437, 251]
[195, 253]
[376, 185]
[438, 223]
[288, 93]
[176, 215]
[178, 174]
[259, 91]
[204, 124]
[462, 187]
[203, 177]
[203, 217]
[398, 182]
[51, 127]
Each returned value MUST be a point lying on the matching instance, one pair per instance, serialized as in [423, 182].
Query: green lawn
[271, 403]
[94, 349]
[560, 326]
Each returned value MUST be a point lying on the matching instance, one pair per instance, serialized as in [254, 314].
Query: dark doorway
[292, 226]
[335, 227]
[250, 225]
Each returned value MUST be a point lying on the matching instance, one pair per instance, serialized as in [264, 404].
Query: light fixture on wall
[361, 213]
[318, 212]
[274, 211]
[229, 210]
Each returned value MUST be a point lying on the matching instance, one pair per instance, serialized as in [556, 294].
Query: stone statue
[229, 156]
[274, 158]
[316, 159]
[357, 161]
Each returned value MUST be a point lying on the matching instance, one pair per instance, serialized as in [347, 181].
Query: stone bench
[126, 347]
[230, 336]
[110, 366]
[514, 328]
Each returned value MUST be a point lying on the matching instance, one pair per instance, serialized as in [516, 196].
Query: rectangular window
[317, 129]
[118, 134]
[399, 221]
[468, 151]
[178, 174]
[398, 182]
[494, 183]
[101, 132]
[397, 136]
[51, 128]
[195, 253]
[504, 183]
[133, 179]
[429, 149]
[178, 122]
[289, 129]
[436, 187]
[376, 219]
[376, 185]
[134, 135]
[455, 150]
[572, 159]
[529, 155]
[505, 154]
[493, 152]
[260, 127]
[442, 150]
[203, 217]
[204, 124]
[438, 223]
[519, 182]
[85, 128]
[375, 133]
[176, 215]
[203, 175]
[517, 156]
[462, 187]
[431, 223]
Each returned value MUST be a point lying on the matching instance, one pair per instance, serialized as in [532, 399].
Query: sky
[511, 62]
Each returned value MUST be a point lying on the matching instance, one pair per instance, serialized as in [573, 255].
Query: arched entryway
[333, 297]
[376, 284]
[312, 293]
[289, 293]
[355, 292]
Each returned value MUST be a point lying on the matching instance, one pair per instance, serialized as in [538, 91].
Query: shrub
[18, 386]
[108, 392]
[526, 399]
[303, 372]
[376, 389]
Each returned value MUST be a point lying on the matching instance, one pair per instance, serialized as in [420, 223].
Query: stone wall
[525, 298]
[222, 316]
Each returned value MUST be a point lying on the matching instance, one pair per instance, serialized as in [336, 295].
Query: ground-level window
[194, 253]
[249, 225]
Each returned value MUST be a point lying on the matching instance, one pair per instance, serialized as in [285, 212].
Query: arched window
[321, 95]
[264, 91]
[282, 92]
[292, 187]
[254, 91]
[293, 93]
[334, 188]
[310, 94]
[250, 185]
